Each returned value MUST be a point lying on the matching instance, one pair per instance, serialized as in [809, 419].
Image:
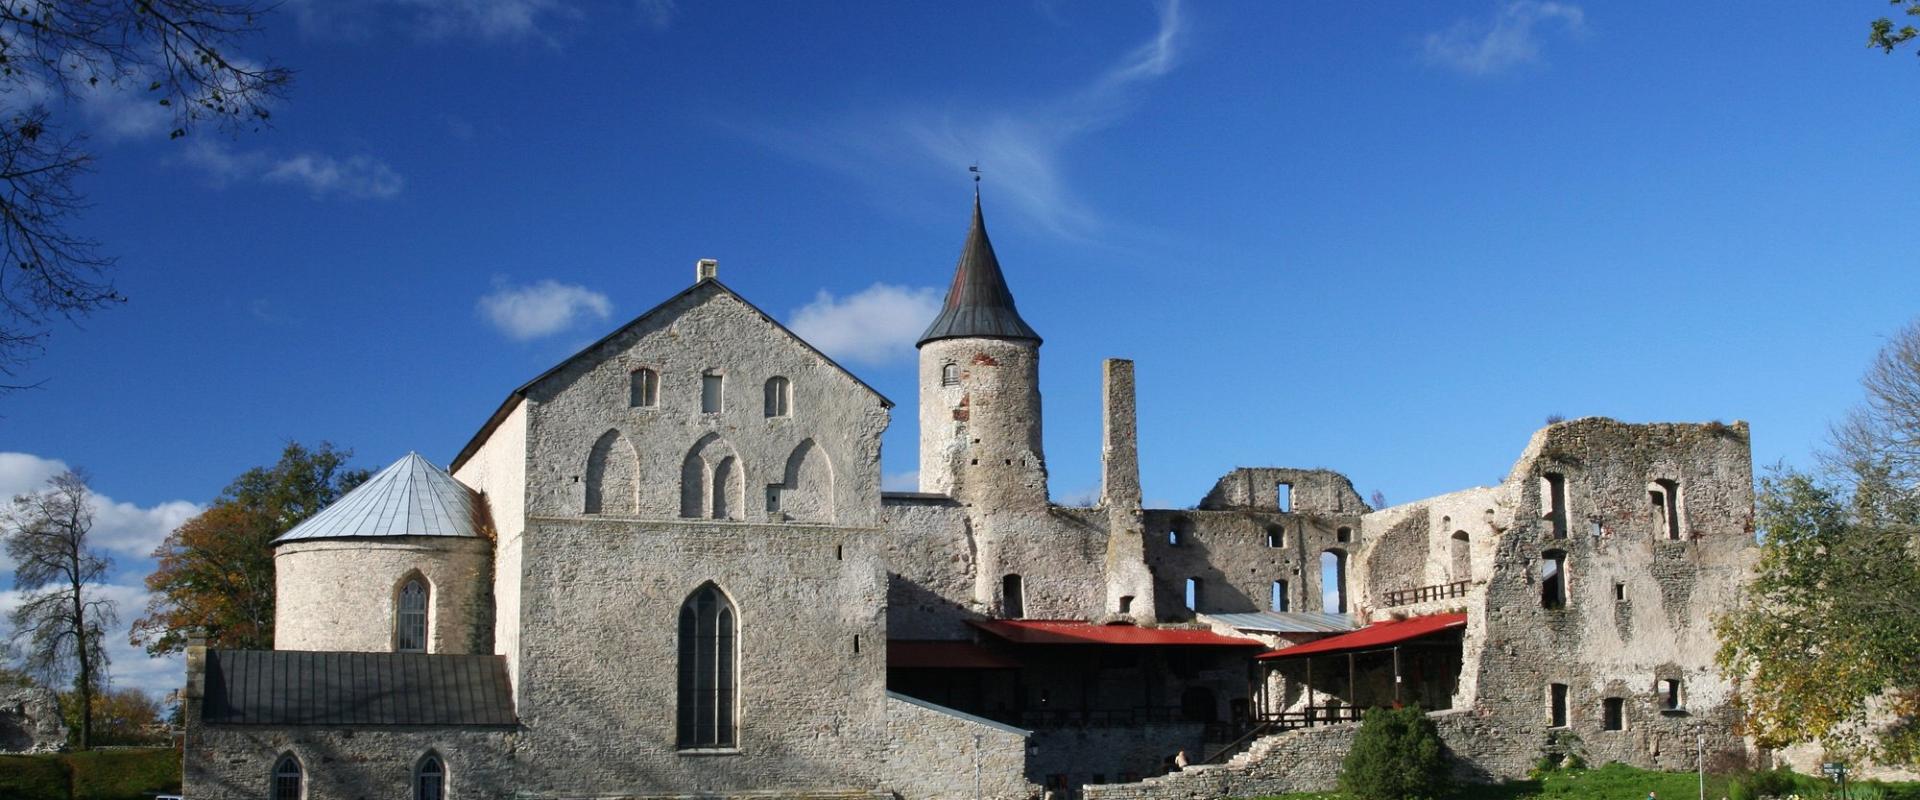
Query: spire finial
[975, 169]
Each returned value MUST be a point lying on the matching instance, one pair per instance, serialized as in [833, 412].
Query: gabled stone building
[666, 568]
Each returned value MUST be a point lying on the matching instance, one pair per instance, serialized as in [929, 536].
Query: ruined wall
[1610, 642]
[936, 753]
[648, 460]
[1313, 491]
[1230, 552]
[930, 568]
[30, 721]
[340, 594]
[599, 655]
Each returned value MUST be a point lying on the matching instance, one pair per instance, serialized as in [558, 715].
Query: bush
[1396, 755]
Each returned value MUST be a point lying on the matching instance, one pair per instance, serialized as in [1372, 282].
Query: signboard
[1834, 769]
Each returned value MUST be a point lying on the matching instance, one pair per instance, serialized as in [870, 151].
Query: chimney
[706, 269]
[1119, 448]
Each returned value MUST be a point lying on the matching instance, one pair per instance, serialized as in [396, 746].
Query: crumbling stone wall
[30, 721]
[341, 594]
[936, 753]
[1229, 552]
[1314, 491]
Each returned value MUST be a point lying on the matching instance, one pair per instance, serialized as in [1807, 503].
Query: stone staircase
[771, 794]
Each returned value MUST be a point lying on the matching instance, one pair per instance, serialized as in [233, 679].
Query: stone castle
[666, 568]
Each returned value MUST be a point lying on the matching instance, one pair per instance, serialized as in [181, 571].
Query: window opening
[1333, 581]
[1126, 604]
[1283, 497]
[707, 654]
[410, 629]
[643, 389]
[773, 498]
[1613, 714]
[430, 779]
[287, 778]
[779, 395]
[856, 644]
[1277, 598]
[950, 375]
[1012, 602]
[1276, 536]
[712, 393]
[1343, 535]
[1554, 496]
[1670, 699]
[1193, 594]
[1665, 497]
[1619, 591]
[1461, 552]
[1553, 579]
[1557, 700]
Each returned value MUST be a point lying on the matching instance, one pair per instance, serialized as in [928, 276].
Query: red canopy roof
[1045, 631]
[904, 654]
[1375, 636]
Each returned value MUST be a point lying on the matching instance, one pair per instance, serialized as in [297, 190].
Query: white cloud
[125, 530]
[541, 309]
[908, 481]
[874, 326]
[1482, 47]
[354, 176]
[1023, 150]
[129, 666]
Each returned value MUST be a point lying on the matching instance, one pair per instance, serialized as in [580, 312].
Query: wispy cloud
[875, 326]
[1510, 38]
[357, 176]
[540, 309]
[542, 21]
[1026, 149]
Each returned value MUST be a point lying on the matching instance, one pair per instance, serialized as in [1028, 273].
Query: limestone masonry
[666, 568]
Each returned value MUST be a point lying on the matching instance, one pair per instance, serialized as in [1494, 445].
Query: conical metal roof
[979, 303]
[412, 497]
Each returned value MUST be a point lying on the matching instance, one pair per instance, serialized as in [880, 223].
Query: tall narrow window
[1193, 594]
[1553, 500]
[707, 630]
[1277, 596]
[950, 375]
[410, 627]
[712, 393]
[1283, 497]
[1665, 497]
[1333, 581]
[1461, 554]
[287, 779]
[1670, 699]
[779, 395]
[1557, 705]
[1276, 536]
[1553, 579]
[430, 779]
[643, 388]
[1613, 714]
[1012, 602]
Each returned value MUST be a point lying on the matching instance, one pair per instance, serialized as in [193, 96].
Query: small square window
[1619, 591]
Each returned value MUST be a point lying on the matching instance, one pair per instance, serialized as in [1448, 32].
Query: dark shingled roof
[979, 303]
[291, 687]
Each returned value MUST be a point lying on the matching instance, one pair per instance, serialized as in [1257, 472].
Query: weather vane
[975, 169]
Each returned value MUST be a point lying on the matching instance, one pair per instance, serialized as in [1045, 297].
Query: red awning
[1373, 637]
[1041, 631]
[903, 654]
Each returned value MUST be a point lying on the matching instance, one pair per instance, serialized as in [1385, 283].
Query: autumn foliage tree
[215, 571]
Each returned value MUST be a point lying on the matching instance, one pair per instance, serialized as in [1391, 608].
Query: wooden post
[1310, 697]
[1353, 688]
[1396, 676]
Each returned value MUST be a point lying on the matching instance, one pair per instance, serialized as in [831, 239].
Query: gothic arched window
[708, 629]
[410, 622]
[430, 779]
[287, 779]
[779, 396]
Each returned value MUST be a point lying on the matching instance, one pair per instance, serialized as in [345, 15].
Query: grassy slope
[1611, 782]
[96, 775]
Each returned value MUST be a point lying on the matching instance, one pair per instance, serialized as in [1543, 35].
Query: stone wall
[30, 721]
[1312, 491]
[1232, 555]
[980, 438]
[498, 471]
[936, 753]
[340, 594]
[235, 762]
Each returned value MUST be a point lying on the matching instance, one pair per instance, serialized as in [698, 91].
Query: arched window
[950, 375]
[1665, 495]
[430, 779]
[779, 396]
[287, 780]
[410, 622]
[1013, 601]
[707, 652]
[643, 388]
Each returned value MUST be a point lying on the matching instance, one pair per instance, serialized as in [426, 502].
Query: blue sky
[1384, 238]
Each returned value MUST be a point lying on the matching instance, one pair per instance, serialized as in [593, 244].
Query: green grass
[1611, 782]
[96, 775]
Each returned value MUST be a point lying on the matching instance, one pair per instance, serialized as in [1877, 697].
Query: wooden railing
[1310, 717]
[1438, 591]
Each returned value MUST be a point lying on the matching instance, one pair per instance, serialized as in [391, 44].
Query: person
[1180, 760]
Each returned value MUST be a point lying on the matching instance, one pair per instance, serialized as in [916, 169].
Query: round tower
[980, 390]
[400, 564]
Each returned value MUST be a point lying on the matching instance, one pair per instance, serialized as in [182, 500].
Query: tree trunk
[83, 647]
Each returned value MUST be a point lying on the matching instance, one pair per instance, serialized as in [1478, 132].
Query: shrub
[1396, 755]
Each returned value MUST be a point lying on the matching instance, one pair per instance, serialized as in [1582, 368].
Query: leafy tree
[1396, 755]
[1828, 641]
[120, 717]
[216, 570]
[61, 616]
[1885, 36]
[178, 54]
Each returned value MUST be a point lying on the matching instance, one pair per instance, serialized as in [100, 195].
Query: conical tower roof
[412, 497]
[979, 304]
